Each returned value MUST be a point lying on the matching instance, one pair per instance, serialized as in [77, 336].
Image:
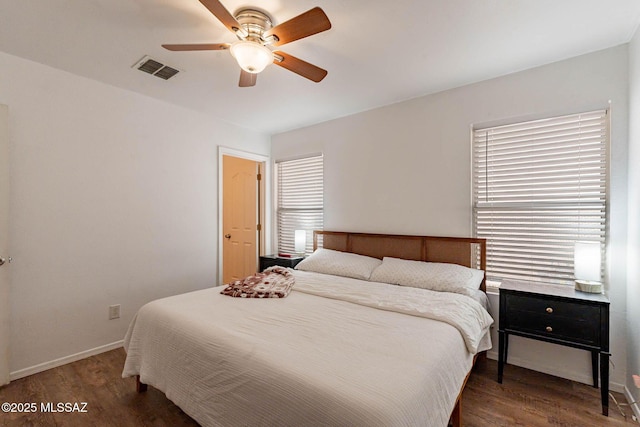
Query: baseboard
[64, 360]
[555, 371]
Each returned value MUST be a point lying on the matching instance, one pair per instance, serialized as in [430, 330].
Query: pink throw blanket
[274, 282]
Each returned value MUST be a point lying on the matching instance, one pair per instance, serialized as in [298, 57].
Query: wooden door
[4, 246]
[239, 218]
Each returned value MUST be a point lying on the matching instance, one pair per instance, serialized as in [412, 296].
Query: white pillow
[338, 263]
[436, 276]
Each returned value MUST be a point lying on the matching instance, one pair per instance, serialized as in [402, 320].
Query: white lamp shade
[300, 242]
[586, 261]
[251, 56]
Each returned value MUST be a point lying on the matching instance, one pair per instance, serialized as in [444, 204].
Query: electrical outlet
[114, 311]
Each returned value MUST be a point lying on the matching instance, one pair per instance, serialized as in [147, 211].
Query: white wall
[633, 280]
[405, 168]
[113, 201]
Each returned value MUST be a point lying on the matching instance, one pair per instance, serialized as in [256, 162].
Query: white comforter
[336, 351]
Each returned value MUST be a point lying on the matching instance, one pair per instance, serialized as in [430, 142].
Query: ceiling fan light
[251, 56]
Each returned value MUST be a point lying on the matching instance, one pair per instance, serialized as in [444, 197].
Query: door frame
[5, 285]
[265, 200]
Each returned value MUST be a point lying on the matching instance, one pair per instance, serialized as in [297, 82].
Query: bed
[348, 346]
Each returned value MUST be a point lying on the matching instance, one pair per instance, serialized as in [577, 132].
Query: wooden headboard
[469, 252]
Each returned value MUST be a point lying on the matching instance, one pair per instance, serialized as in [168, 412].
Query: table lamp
[587, 264]
[300, 241]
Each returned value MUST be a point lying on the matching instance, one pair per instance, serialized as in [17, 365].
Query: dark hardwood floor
[526, 398]
[531, 399]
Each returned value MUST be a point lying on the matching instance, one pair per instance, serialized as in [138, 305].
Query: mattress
[336, 351]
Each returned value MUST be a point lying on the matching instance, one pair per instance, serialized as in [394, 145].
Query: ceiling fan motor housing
[255, 23]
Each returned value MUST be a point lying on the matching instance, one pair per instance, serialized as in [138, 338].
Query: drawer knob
[549, 310]
[549, 329]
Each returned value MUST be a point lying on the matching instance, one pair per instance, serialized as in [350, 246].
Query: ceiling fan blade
[203, 46]
[247, 79]
[220, 12]
[299, 66]
[311, 22]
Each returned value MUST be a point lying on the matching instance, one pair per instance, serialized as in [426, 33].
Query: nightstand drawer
[552, 307]
[577, 330]
[553, 319]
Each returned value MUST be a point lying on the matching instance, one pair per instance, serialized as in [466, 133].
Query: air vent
[166, 72]
[156, 68]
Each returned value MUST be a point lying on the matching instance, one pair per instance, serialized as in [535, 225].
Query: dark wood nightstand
[559, 315]
[267, 261]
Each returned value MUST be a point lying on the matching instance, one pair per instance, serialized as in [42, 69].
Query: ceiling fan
[256, 35]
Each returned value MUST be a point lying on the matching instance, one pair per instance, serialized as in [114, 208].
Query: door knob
[226, 236]
[2, 261]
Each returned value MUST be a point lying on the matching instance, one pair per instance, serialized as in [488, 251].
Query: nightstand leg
[604, 380]
[501, 348]
[594, 368]
[506, 348]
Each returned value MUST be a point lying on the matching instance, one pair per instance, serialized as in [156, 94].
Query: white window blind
[538, 187]
[300, 193]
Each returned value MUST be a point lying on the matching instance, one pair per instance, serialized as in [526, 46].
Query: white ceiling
[377, 52]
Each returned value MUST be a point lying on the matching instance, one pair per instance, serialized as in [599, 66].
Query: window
[539, 187]
[300, 201]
